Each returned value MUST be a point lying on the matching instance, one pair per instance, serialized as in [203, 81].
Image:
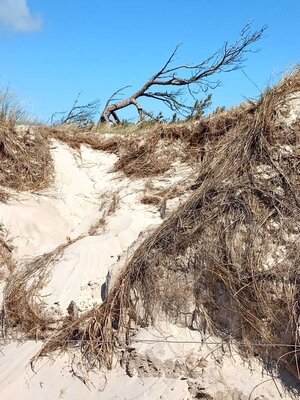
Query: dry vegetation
[6, 262]
[23, 309]
[74, 137]
[227, 260]
[25, 160]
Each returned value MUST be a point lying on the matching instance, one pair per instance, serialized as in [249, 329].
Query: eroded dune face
[64, 249]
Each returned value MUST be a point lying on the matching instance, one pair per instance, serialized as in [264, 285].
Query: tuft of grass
[6, 262]
[25, 160]
[151, 199]
[11, 109]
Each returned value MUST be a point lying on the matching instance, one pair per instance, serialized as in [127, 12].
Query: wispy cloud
[15, 15]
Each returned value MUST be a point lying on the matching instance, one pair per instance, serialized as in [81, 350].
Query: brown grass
[216, 262]
[74, 138]
[23, 309]
[136, 156]
[146, 150]
[136, 149]
[25, 160]
[152, 152]
[226, 261]
[6, 261]
[151, 199]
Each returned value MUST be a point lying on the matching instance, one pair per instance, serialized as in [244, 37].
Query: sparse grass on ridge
[10, 108]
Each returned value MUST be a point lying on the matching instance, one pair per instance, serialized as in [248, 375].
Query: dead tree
[185, 78]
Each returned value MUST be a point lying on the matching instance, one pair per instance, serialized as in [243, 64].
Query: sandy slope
[38, 224]
[157, 372]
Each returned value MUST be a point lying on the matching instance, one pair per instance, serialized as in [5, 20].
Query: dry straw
[25, 160]
[6, 262]
[23, 309]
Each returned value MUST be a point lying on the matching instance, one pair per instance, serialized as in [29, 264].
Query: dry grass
[142, 156]
[74, 137]
[151, 199]
[23, 309]
[151, 152]
[6, 262]
[10, 108]
[25, 160]
[136, 146]
[228, 259]
[159, 195]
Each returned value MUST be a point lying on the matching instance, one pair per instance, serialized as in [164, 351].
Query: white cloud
[15, 15]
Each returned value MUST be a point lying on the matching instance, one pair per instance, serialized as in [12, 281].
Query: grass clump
[25, 160]
[10, 108]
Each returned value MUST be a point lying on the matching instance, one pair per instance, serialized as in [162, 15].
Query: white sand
[55, 380]
[222, 373]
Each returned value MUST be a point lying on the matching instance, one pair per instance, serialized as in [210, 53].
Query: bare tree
[185, 78]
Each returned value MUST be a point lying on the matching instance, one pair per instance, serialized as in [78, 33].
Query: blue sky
[53, 49]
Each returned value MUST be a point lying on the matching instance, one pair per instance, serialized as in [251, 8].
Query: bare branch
[112, 97]
[78, 114]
